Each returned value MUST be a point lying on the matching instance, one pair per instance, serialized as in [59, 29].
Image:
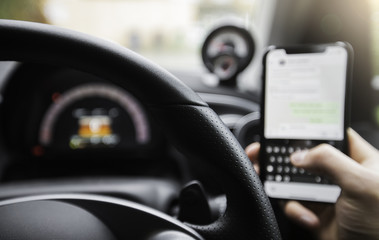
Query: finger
[329, 161]
[360, 149]
[252, 152]
[301, 215]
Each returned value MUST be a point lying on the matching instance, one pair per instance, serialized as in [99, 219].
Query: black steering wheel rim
[192, 126]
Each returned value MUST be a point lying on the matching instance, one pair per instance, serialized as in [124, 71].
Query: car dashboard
[63, 123]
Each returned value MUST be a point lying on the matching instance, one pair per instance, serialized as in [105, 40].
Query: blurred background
[165, 31]
[171, 32]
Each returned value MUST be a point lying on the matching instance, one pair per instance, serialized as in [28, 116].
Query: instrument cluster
[64, 112]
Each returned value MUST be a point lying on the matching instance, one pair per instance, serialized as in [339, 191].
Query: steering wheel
[190, 124]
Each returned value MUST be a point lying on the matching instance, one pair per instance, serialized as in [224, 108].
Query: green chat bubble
[316, 112]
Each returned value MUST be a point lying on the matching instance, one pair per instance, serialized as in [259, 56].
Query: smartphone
[305, 102]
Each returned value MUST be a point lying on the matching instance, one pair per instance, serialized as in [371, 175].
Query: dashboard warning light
[55, 96]
[38, 151]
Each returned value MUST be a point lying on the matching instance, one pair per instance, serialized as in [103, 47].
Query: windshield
[169, 32]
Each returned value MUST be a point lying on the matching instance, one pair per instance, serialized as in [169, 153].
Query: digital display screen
[94, 130]
[305, 94]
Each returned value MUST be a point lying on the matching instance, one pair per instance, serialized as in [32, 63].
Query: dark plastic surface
[50, 220]
[80, 216]
[155, 193]
[186, 119]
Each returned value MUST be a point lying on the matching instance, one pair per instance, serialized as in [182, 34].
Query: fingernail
[298, 157]
[307, 220]
[252, 146]
[256, 168]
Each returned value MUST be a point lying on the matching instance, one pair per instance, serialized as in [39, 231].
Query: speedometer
[94, 116]
[227, 51]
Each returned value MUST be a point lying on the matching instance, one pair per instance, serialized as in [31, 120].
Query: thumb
[327, 160]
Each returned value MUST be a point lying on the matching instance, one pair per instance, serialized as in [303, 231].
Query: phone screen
[305, 95]
[304, 105]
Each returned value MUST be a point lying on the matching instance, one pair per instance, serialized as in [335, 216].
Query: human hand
[356, 212]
